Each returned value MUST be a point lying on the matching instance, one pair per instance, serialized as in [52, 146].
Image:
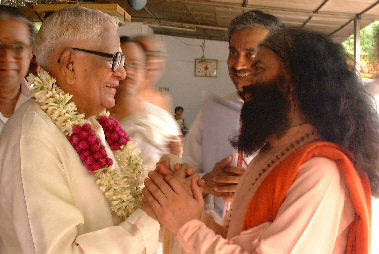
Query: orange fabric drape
[272, 192]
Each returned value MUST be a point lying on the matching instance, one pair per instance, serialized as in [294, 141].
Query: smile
[110, 86]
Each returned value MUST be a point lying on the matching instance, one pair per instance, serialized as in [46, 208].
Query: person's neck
[8, 105]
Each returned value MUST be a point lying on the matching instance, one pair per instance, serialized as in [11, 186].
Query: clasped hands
[176, 197]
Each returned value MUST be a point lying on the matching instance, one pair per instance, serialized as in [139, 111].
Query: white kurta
[152, 130]
[50, 204]
[373, 88]
[24, 96]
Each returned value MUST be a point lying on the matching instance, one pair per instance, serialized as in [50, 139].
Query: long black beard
[265, 112]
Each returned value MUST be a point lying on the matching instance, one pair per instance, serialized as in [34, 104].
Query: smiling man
[207, 143]
[53, 155]
[16, 47]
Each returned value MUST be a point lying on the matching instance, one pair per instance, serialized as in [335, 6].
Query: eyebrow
[254, 50]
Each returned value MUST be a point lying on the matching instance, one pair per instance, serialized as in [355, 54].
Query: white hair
[68, 24]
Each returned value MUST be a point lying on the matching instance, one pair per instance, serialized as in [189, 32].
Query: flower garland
[122, 185]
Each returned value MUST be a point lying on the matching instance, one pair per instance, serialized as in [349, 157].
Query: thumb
[197, 193]
[225, 162]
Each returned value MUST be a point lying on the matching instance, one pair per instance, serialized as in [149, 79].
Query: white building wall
[186, 89]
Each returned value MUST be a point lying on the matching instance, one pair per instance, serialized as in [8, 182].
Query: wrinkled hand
[222, 180]
[171, 203]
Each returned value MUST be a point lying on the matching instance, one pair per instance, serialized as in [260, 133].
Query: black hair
[331, 95]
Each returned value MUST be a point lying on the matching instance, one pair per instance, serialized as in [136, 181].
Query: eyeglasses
[18, 49]
[118, 58]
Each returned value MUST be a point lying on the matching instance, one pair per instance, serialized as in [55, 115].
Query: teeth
[110, 86]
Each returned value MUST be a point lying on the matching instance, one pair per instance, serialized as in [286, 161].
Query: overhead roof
[209, 19]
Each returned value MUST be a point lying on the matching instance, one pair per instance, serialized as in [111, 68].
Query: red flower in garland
[115, 135]
[91, 152]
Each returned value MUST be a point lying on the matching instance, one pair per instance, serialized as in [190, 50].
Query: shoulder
[30, 121]
[320, 171]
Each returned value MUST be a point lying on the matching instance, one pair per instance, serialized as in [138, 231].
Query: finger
[225, 188]
[155, 192]
[180, 171]
[226, 179]
[154, 204]
[197, 193]
[175, 185]
[226, 197]
[162, 169]
[190, 171]
[234, 170]
[224, 163]
[200, 182]
[161, 184]
[165, 159]
[149, 198]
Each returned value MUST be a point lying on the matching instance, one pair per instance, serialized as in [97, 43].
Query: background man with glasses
[49, 202]
[16, 51]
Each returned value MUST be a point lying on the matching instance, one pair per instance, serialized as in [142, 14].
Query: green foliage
[368, 42]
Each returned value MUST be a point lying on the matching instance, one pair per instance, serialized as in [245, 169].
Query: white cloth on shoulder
[152, 130]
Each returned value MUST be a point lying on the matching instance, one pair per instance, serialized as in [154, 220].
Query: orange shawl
[272, 192]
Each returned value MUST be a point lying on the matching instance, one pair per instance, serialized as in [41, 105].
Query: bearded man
[69, 176]
[308, 190]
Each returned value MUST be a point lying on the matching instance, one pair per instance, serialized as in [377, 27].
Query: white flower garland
[122, 185]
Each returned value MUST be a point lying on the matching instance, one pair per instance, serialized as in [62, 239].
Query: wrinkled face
[134, 67]
[95, 82]
[15, 56]
[242, 50]
[156, 59]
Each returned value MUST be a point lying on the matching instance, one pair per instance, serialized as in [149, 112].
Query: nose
[242, 62]
[120, 73]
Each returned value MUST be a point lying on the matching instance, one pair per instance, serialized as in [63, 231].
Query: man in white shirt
[52, 199]
[208, 140]
[16, 51]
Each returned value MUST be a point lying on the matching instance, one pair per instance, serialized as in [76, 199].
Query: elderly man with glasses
[70, 180]
[16, 43]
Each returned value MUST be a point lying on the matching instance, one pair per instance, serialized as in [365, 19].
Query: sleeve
[307, 222]
[55, 221]
[192, 145]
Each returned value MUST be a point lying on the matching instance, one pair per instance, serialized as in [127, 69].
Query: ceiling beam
[357, 15]
[273, 9]
[179, 24]
[315, 11]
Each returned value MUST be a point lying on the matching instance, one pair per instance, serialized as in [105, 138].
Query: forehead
[248, 38]
[268, 57]
[109, 38]
[12, 31]
[132, 51]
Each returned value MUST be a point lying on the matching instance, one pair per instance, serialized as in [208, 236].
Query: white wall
[186, 89]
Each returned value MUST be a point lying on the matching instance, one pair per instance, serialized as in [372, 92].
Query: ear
[66, 66]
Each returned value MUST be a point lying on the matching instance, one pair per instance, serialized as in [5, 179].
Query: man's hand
[171, 203]
[222, 180]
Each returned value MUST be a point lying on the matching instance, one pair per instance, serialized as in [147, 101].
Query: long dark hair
[331, 95]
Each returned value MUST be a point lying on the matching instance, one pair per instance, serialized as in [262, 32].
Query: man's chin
[110, 103]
